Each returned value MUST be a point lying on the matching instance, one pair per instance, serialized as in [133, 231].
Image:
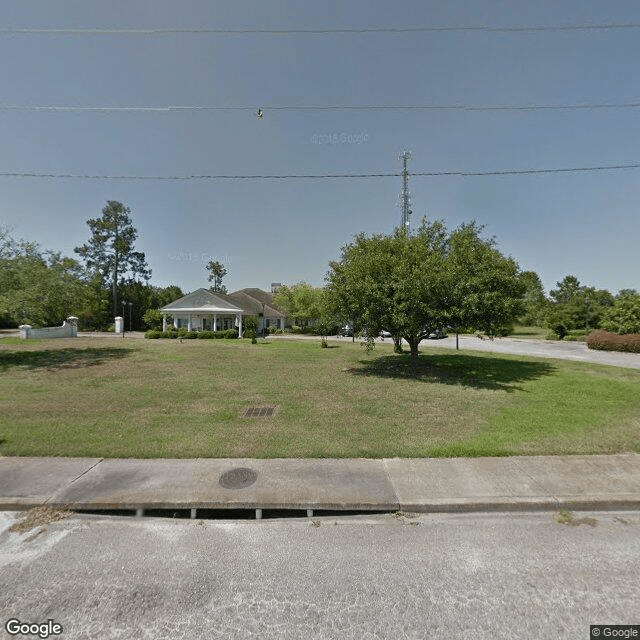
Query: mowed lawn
[106, 397]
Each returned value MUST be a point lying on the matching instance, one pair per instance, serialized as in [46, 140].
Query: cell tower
[405, 196]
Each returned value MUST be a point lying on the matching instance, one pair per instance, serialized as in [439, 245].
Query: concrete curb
[551, 483]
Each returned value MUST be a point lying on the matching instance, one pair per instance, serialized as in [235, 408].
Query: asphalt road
[577, 351]
[493, 576]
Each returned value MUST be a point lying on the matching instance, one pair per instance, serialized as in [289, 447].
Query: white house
[202, 310]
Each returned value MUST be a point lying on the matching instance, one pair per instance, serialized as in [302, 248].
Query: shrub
[296, 329]
[152, 318]
[231, 334]
[250, 334]
[182, 332]
[169, 334]
[206, 335]
[250, 322]
[189, 335]
[608, 341]
[153, 334]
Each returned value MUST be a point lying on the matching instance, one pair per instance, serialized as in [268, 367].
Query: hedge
[192, 335]
[607, 341]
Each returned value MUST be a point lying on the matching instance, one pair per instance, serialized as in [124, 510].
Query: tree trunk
[413, 346]
[397, 344]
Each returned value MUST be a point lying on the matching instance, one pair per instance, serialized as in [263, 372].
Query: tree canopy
[301, 302]
[110, 250]
[575, 306]
[623, 316]
[217, 271]
[414, 285]
[38, 287]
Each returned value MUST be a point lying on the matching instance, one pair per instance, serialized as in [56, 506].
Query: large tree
[217, 271]
[575, 306]
[301, 302]
[535, 301]
[38, 287]
[623, 316]
[110, 250]
[413, 285]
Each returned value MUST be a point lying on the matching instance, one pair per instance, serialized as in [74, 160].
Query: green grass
[162, 398]
[529, 333]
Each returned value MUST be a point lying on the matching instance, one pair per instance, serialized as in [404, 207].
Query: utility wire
[355, 30]
[316, 176]
[362, 107]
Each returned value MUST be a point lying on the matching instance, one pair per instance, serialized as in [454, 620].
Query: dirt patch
[38, 516]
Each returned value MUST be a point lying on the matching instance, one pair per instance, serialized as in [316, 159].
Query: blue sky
[585, 224]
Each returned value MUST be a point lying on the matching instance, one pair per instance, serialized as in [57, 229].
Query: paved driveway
[542, 348]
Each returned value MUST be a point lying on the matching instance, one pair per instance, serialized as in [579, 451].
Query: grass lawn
[529, 333]
[105, 397]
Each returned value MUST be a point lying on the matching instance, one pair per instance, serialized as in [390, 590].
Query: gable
[201, 299]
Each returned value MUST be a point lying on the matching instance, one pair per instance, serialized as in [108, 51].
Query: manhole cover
[238, 478]
[259, 412]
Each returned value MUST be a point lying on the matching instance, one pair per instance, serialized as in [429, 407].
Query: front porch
[203, 311]
[203, 322]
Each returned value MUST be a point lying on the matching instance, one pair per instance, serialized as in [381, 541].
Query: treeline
[575, 308]
[42, 288]
[570, 309]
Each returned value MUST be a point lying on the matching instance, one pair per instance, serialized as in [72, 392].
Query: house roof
[251, 300]
[202, 300]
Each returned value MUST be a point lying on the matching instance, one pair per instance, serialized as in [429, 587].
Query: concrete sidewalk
[426, 484]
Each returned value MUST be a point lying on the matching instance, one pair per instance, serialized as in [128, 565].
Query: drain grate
[265, 411]
[238, 478]
[228, 514]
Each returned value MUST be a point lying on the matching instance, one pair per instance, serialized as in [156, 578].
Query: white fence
[69, 329]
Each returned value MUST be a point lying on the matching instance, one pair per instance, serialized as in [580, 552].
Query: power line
[362, 107]
[354, 30]
[316, 176]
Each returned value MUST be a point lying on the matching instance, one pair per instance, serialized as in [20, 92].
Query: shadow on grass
[479, 372]
[56, 359]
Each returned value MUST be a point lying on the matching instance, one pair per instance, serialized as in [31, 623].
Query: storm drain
[228, 514]
[266, 411]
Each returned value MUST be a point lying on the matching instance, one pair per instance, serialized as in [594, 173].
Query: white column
[189, 323]
[164, 321]
[240, 327]
[215, 322]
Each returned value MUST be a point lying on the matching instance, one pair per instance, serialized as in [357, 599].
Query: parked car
[346, 330]
[438, 334]
[385, 334]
